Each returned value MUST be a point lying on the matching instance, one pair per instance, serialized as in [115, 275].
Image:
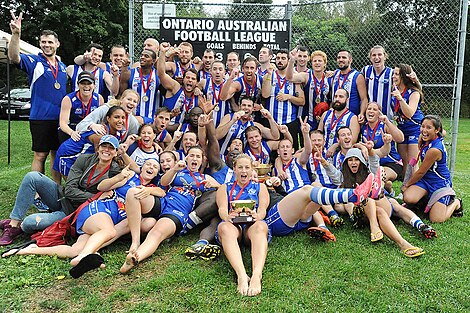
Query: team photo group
[238, 147]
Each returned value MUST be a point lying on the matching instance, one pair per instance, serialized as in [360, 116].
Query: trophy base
[243, 220]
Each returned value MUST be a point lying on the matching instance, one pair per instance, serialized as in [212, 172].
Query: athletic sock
[416, 222]
[193, 221]
[332, 212]
[323, 226]
[323, 196]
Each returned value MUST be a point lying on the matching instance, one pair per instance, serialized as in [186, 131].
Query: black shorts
[397, 168]
[44, 135]
[156, 210]
[179, 226]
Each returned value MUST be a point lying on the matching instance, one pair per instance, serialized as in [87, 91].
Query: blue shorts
[175, 209]
[108, 206]
[277, 225]
[431, 188]
[63, 164]
[411, 133]
[243, 228]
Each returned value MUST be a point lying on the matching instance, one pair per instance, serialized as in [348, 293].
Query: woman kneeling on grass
[284, 217]
[186, 184]
[432, 179]
[96, 222]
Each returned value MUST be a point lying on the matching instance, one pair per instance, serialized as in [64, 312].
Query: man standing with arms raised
[47, 78]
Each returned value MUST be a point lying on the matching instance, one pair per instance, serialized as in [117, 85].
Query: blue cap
[111, 140]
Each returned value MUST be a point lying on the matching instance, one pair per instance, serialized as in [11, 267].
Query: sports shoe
[358, 211]
[40, 205]
[459, 211]
[427, 231]
[194, 251]
[210, 252]
[336, 220]
[321, 234]
[4, 223]
[378, 184]
[325, 218]
[9, 235]
[363, 190]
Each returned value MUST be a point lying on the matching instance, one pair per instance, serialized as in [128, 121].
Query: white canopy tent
[24, 47]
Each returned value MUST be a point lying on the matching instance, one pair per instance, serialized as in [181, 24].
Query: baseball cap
[111, 140]
[86, 76]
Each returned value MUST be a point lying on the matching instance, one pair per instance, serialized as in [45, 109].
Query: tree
[242, 12]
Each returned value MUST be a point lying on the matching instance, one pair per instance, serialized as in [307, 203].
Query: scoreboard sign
[225, 35]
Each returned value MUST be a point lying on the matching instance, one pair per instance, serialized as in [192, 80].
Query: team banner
[225, 35]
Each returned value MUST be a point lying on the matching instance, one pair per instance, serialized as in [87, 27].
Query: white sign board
[151, 13]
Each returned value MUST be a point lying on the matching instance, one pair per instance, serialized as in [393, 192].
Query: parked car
[20, 103]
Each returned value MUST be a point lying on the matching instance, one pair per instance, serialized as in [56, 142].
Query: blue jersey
[338, 160]
[253, 91]
[283, 112]
[375, 135]
[179, 70]
[221, 107]
[249, 192]
[147, 87]
[160, 137]
[348, 82]
[100, 85]
[331, 123]
[204, 75]
[262, 157]
[45, 97]
[69, 151]
[407, 125]
[179, 102]
[139, 156]
[235, 131]
[318, 173]
[79, 109]
[224, 175]
[379, 87]
[297, 176]
[316, 91]
[438, 174]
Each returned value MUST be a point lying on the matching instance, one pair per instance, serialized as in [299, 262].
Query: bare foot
[77, 259]
[131, 261]
[242, 287]
[255, 286]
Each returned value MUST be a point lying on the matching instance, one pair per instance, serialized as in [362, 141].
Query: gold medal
[57, 85]
[317, 100]
[216, 108]
[145, 98]
[198, 193]
[332, 136]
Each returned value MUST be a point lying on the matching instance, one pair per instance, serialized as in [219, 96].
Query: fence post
[131, 30]
[458, 91]
[289, 17]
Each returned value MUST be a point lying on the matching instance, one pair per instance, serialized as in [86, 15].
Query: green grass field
[301, 275]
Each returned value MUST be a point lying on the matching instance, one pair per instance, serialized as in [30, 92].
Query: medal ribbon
[149, 80]
[235, 183]
[216, 96]
[249, 89]
[279, 78]
[97, 177]
[198, 183]
[320, 88]
[285, 167]
[345, 77]
[54, 69]
[371, 137]
[85, 108]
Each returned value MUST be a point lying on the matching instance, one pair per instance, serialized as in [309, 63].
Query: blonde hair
[114, 102]
[242, 156]
[319, 53]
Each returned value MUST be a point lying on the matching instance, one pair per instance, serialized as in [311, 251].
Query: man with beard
[48, 78]
[207, 58]
[211, 88]
[145, 81]
[339, 115]
[184, 52]
[283, 97]
[353, 82]
[179, 98]
[106, 83]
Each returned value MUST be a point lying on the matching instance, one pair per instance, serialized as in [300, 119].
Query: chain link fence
[412, 32]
